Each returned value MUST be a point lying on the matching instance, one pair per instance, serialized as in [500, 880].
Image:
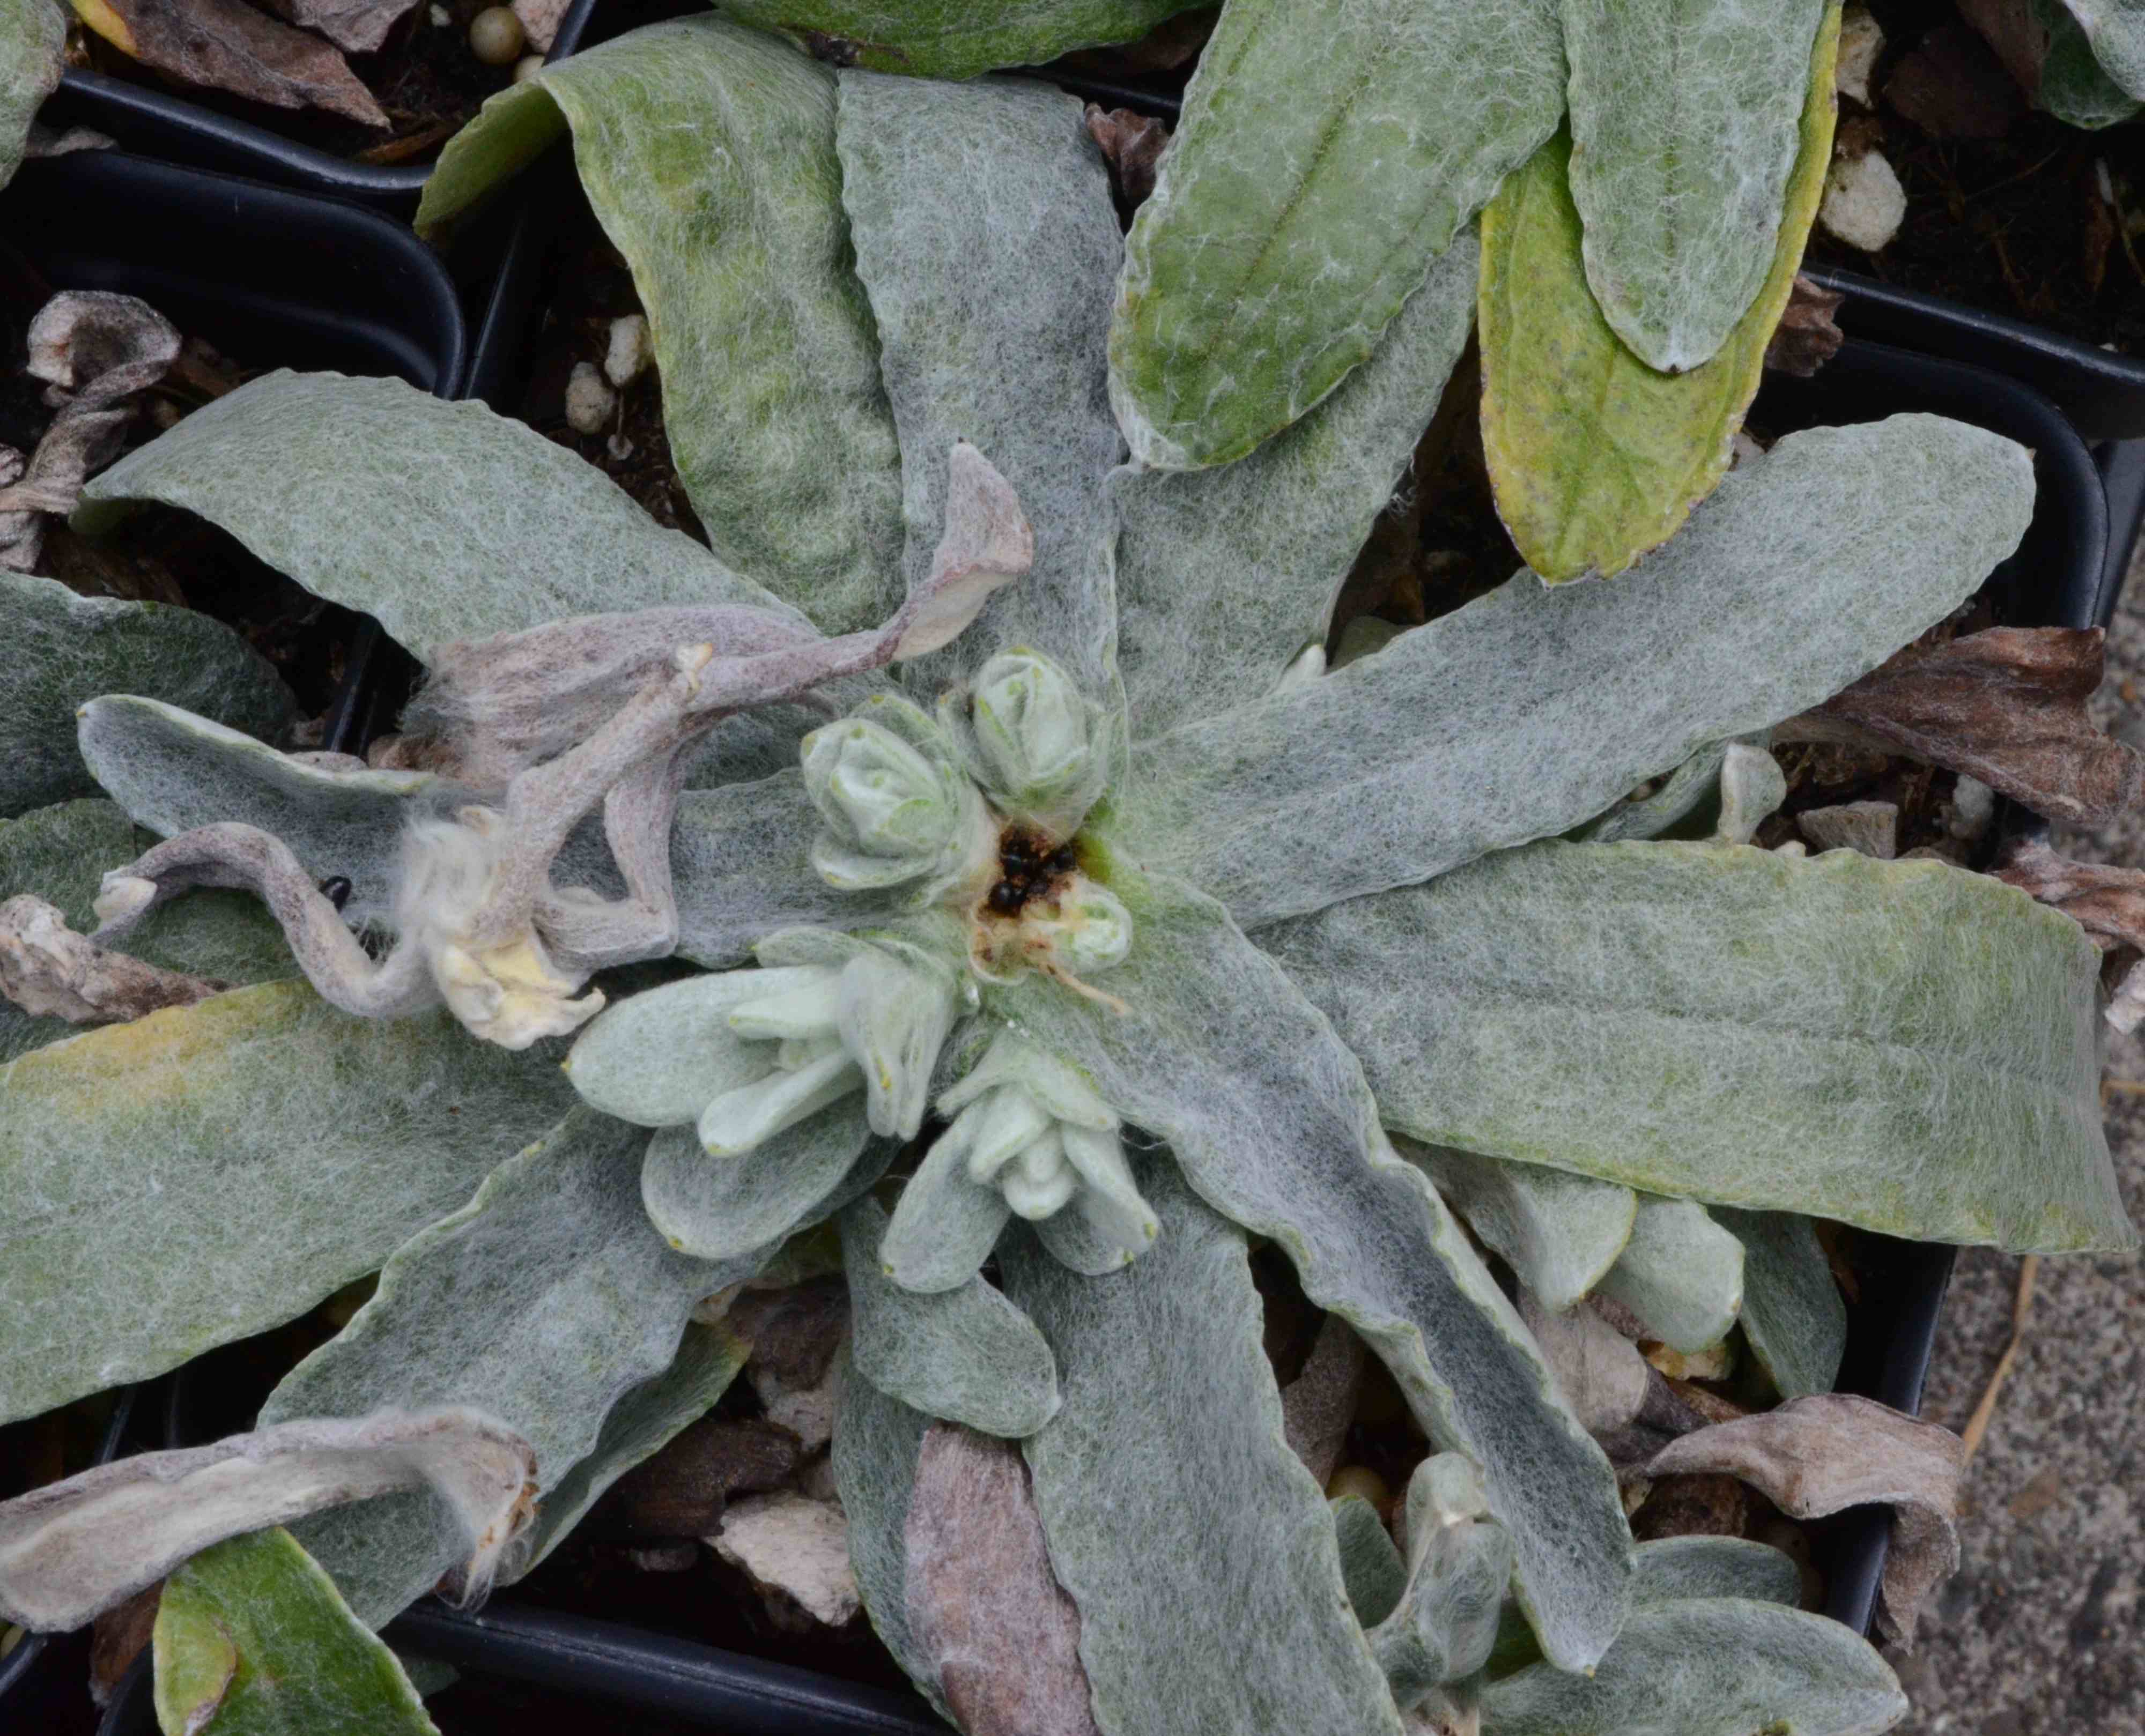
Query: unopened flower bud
[1039, 743]
[892, 814]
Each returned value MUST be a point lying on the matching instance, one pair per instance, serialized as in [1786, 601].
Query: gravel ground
[2040, 1634]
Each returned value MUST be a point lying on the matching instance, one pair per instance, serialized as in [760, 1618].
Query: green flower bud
[892, 814]
[1037, 742]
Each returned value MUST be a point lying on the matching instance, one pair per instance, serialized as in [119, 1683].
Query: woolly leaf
[715, 1208]
[544, 1301]
[877, 1441]
[1559, 1232]
[253, 1639]
[1675, 1568]
[1899, 1045]
[1370, 1565]
[1680, 1273]
[1223, 576]
[1218, 1054]
[707, 151]
[639, 1426]
[1324, 159]
[63, 649]
[951, 39]
[33, 36]
[986, 241]
[2115, 29]
[1808, 568]
[255, 1152]
[61, 853]
[2075, 88]
[1683, 122]
[444, 520]
[967, 1355]
[1595, 457]
[1175, 1552]
[1792, 1313]
[1708, 1667]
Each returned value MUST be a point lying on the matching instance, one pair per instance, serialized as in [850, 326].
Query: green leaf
[1684, 124]
[639, 1426]
[715, 1208]
[993, 305]
[2074, 88]
[1708, 1667]
[1446, 1621]
[967, 1355]
[1676, 1568]
[253, 1639]
[1561, 1233]
[444, 520]
[33, 36]
[544, 1301]
[954, 38]
[1218, 1054]
[1223, 576]
[1680, 1273]
[1324, 159]
[61, 853]
[2115, 30]
[1175, 1553]
[741, 855]
[1808, 568]
[1899, 1045]
[63, 649]
[877, 1441]
[1792, 1313]
[707, 151]
[1371, 1566]
[251, 1154]
[1596, 458]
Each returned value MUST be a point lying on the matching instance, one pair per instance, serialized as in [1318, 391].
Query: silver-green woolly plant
[1184, 940]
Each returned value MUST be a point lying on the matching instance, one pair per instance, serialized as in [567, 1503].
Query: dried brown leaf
[1952, 86]
[2108, 902]
[1319, 1404]
[1131, 144]
[49, 970]
[356, 26]
[228, 46]
[2006, 706]
[117, 1638]
[1602, 1376]
[983, 1604]
[795, 1330]
[1806, 339]
[1712, 1504]
[2019, 39]
[1815, 1456]
[682, 1490]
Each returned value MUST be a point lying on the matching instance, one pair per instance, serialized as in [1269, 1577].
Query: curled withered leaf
[1319, 1404]
[2108, 902]
[358, 26]
[228, 46]
[1599, 1372]
[49, 970]
[75, 1549]
[1000, 1631]
[1806, 339]
[1131, 144]
[2006, 706]
[1818, 1455]
[98, 344]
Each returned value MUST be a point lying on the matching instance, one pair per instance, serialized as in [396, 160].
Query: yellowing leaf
[1595, 457]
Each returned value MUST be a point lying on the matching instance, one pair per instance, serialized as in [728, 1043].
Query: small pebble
[440, 17]
[588, 401]
[1972, 807]
[1360, 1480]
[497, 36]
[1872, 827]
[527, 67]
[1861, 41]
[1863, 202]
[629, 354]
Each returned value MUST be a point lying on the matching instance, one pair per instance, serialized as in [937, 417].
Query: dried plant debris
[1815, 1456]
[2006, 706]
[2108, 902]
[1001, 1636]
[683, 1490]
[1131, 144]
[359, 27]
[796, 1551]
[1806, 338]
[229, 46]
[1598, 1371]
[73, 1550]
[49, 970]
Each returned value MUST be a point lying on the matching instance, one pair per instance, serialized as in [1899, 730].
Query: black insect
[1030, 869]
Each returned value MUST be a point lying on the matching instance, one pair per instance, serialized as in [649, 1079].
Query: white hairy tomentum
[1032, 740]
[894, 814]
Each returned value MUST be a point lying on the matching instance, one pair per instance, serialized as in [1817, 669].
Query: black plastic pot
[160, 123]
[46, 1670]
